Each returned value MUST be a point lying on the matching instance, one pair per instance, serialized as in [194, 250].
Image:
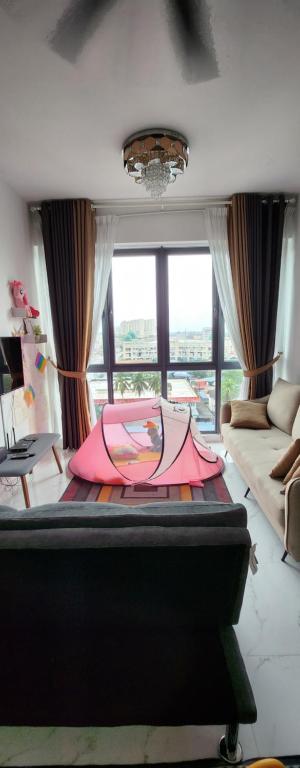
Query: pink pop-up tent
[152, 441]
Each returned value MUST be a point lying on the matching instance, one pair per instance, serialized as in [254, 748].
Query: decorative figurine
[20, 298]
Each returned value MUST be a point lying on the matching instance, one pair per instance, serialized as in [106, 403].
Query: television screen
[11, 364]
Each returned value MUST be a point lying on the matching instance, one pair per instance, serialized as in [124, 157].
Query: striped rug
[130, 495]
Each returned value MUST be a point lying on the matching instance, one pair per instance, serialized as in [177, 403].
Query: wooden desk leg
[57, 459]
[25, 491]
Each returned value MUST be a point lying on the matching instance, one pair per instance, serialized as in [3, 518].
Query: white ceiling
[62, 126]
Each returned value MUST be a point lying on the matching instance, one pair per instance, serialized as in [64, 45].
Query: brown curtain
[238, 250]
[69, 238]
[255, 230]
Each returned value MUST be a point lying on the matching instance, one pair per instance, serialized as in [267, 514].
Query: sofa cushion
[296, 426]
[255, 453]
[245, 413]
[263, 446]
[294, 471]
[283, 405]
[287, 461]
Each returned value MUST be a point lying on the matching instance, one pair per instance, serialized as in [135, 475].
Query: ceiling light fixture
[154, 158]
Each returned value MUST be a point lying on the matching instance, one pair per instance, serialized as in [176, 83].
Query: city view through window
[176, 358]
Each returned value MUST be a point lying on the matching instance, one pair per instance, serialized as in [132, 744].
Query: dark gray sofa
[111, 617]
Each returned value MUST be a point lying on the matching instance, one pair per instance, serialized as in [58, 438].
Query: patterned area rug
[130, 495]
[288, 762]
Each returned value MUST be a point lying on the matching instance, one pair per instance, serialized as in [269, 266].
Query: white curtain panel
[284, 326]
[216, 232]
[45, 320]
[105, 241]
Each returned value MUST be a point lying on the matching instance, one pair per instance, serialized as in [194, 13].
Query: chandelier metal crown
[154, 158]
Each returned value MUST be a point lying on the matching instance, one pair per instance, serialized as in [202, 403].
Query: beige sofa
[255, 452]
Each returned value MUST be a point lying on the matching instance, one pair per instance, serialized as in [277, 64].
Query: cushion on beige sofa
[294, 468]
[283, 405]
[296, 426]
[293, 474]
[287, 461]
[245, 413]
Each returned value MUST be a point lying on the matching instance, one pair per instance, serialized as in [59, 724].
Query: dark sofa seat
[111, 617]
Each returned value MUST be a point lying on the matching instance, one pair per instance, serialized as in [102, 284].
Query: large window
[163, 333]
[190, 307]
[134, 309]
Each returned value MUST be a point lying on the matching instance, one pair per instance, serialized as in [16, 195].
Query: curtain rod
[183, 209]
[138, 208]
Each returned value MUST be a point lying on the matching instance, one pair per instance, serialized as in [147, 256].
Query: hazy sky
[190, 290]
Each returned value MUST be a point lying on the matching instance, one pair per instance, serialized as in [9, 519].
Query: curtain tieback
[262, 368]
[68, 374]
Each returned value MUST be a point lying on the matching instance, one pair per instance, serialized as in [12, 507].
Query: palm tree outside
[154, 382]
[122, 383]
[230, 384]
[139, 382]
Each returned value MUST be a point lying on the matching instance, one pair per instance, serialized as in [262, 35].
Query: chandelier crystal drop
[156, 176]
[155, 158]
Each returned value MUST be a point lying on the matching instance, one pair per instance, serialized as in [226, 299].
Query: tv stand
[18, 466]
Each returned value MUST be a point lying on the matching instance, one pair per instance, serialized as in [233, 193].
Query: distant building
[143, 350]
[229, 351]
[189, 350]
[206, 333]
[185, 346]
[181, 350]
[141, 327]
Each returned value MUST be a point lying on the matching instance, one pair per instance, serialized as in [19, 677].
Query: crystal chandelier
[154, 158]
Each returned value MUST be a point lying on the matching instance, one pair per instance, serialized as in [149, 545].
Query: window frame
[163, 365]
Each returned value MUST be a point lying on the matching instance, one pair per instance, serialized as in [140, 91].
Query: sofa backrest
[83, 588]
[283, 405]
[141, 568]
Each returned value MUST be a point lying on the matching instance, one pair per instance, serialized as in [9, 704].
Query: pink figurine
[20, 298]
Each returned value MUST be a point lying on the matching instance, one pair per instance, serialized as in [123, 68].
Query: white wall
[159, 228]
[16, 261]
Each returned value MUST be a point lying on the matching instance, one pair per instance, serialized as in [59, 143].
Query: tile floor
[269, 636]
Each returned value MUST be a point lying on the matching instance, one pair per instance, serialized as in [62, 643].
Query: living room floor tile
[270, 617]
[105, 746]
[275, 680]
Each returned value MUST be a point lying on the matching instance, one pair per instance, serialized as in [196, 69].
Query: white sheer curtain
[216, 230]
[45, 320]
[105, 241]
[284, 327]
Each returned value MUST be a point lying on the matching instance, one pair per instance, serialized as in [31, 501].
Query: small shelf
[29, 338]
[18, 312]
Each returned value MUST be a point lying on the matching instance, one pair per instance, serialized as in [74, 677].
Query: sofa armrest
[292, 518]
[225, 416]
